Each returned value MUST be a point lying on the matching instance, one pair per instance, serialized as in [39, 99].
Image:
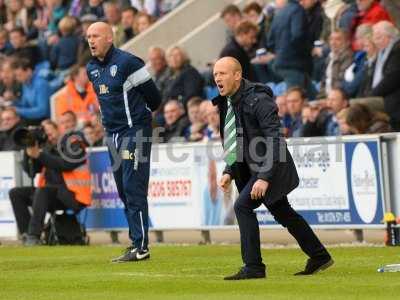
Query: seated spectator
[128, 19]
[61, 166]
[10, 122]
[159, 68]
[64, 53]
[341, 118]
[5, 46]
[339, 60]
[175, 122]
[29, 14]
[68, 122]
[245, 37]
[358, 77]
[361, 120]
[93, 7]
[315, 117]
[21, 48]
[231, 16]
[385, 80]
[112, 14]
[283, 114]
[195, 131]
[33, 106]
[10, 89]
[289, 47]
[77, 96]
[212, 132]
[253, 12]
[370, 12]
[295, 100]
[14, 14]
[337, 101]
[185, 81]
[143, 22]
[91, 137]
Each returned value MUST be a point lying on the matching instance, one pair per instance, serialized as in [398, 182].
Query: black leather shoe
[32, 240]
[246, 274]
[314, 265]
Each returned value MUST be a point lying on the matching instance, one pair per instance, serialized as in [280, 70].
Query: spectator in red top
[370, 12]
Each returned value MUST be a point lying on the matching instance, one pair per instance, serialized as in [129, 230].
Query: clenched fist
[225, 182]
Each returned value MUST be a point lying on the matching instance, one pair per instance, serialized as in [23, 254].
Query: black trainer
[314, 265]
[246, 274]
[132, 254]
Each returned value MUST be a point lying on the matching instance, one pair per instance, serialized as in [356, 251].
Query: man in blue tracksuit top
[127, 96]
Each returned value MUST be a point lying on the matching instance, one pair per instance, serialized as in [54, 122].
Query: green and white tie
[230, 143]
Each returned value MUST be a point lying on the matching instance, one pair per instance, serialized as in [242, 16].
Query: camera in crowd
[30, 136]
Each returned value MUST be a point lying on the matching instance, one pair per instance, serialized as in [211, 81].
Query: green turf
[190, 272]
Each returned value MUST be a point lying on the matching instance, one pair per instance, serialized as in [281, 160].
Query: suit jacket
[256, 116]
[389, 87]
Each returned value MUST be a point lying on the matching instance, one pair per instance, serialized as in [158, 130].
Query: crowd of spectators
[318, 56]
[43, 53]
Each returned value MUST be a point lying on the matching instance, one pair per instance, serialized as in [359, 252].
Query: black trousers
[41, 200]
[284, 214]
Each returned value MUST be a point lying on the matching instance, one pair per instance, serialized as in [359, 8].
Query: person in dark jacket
[10, 122]
[176, 122]
[244, 39]
[385, 81]
[264, 173]
[185, 81]
[289, 42]
[52, 160]
[21, 48]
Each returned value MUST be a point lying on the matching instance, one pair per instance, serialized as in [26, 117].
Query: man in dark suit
[385, 81]
[245, 37]
[264, 172]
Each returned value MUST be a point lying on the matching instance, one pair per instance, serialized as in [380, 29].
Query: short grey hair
[387, 28]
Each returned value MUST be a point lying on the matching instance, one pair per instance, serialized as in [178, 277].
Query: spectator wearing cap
[245, 38]
[385, 80]
[10, 122]
[232, 16]
[112, 13]
[64, 53]
[370, 12]
[128, 18]
[33, 106]
[340, 58]
[93, 7]
[287, 40]
[185, 81]
[77, 96]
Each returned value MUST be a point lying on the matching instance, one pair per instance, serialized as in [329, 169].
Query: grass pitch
[190, 272]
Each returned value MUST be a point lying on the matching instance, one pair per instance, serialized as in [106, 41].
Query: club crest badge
[113, 70]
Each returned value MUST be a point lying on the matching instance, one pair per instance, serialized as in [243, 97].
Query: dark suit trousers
[284, 214]
[41, 200]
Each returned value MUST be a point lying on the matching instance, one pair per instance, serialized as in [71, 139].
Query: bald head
[100, 39]
[227, 75]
